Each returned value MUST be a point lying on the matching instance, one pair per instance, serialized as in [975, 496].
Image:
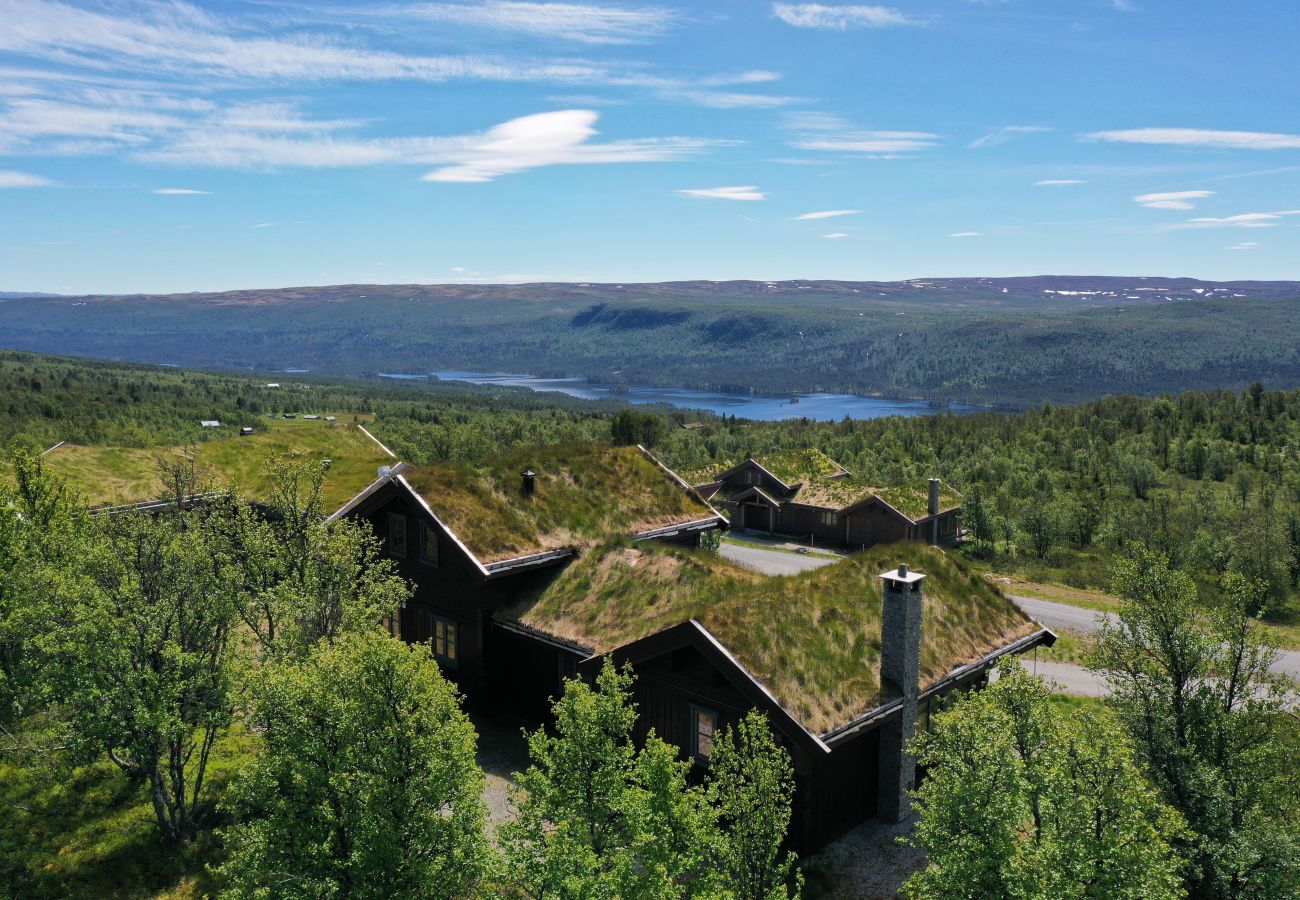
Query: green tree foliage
[1042, 528]
[367, 784]
[306, 578]
[1019, 803]
[1198, 698]
[597, 816]
[140, 655]
[751, 786]
[629, 426]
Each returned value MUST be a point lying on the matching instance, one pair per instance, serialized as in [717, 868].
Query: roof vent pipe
[934, 496]
[529, 482]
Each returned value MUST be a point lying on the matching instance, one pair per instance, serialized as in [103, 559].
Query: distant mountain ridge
[1010, 341]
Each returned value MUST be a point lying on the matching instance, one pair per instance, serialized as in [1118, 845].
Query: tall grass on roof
[812, 639]
[582, 494]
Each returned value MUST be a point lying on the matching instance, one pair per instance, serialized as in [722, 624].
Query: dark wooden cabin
[472, 538]
[837, 659]
[806, 495]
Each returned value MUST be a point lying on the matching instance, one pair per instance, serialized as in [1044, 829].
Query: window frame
[450, 639]
[426, 532]
[397, 525]
[696, 711]
[830, 518]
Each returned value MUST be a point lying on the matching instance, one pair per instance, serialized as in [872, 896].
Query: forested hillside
[1210, 478]
[1004, 342]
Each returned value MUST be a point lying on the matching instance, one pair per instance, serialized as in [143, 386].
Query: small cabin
[245, 431]
[807, 496]
[473, 538]
[210, 423]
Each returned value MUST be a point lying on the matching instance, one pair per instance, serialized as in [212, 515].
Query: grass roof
[813, 639]
[106, 476]
[912, 499]
[796, 466]
[583, 495]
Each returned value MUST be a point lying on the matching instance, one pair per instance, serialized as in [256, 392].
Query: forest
[167, 729]
[1210, 478]
[1010, 343]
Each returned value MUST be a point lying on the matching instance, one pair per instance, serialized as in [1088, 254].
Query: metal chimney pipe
[529, 482]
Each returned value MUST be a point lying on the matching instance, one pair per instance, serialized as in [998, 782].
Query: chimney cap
[528, 473]
[903, 575]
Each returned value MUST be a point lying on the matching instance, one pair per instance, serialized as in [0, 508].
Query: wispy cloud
[826, 214]
[840, 18]
[581, 22]
[11, 179]
[1243, 245]
[265, 225]
[1171, 199]
[829, 132]
[562, 137]
[1198, 137]
[1058, 182]
[181, 38]
[835, 235]
[747, 192]
[1242, 220]
[1002, 135]
[181, 192]
[964, 234]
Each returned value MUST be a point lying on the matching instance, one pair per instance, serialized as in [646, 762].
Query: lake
[822, 407]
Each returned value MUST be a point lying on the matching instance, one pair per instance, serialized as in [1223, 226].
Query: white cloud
[1002, 135]
[547, 139]
[581, 22]
[178, 37]
[1243, 220]
[826, 214]
[730, 99]
[1171, 199]
[747, 192]
[528, 142]
[964, 234]
[181, 192]
[1197, 137]
[1243, 245]
[265, 225]
[1058, 182]
[829, 132]
[11, 179]
[839, 18]
[838, 234]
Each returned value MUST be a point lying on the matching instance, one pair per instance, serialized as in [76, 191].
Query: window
[445, 634]
[704, 722]
[397, 534]
[750, 476]
[428, 545]
[830, 518]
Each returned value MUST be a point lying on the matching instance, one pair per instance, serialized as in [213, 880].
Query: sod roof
[813, 639]
[583, 494]
[823, 483]
[109, 476]
[801, 466]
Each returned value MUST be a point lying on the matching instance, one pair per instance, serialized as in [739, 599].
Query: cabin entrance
[758, 516]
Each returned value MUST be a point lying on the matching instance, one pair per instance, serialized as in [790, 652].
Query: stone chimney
[900, 676]
[529, 482]
[933, 508]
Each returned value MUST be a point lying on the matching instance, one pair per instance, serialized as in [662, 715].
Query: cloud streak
[580, 22]
[11, 179]
[1171, 199]
[1002, 135]
[1198, 137]
[839, 18]
[1058, 182]
[181, 192]
[746, 192]
[825, 214]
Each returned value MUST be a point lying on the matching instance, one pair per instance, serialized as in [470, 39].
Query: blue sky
[172, 146]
